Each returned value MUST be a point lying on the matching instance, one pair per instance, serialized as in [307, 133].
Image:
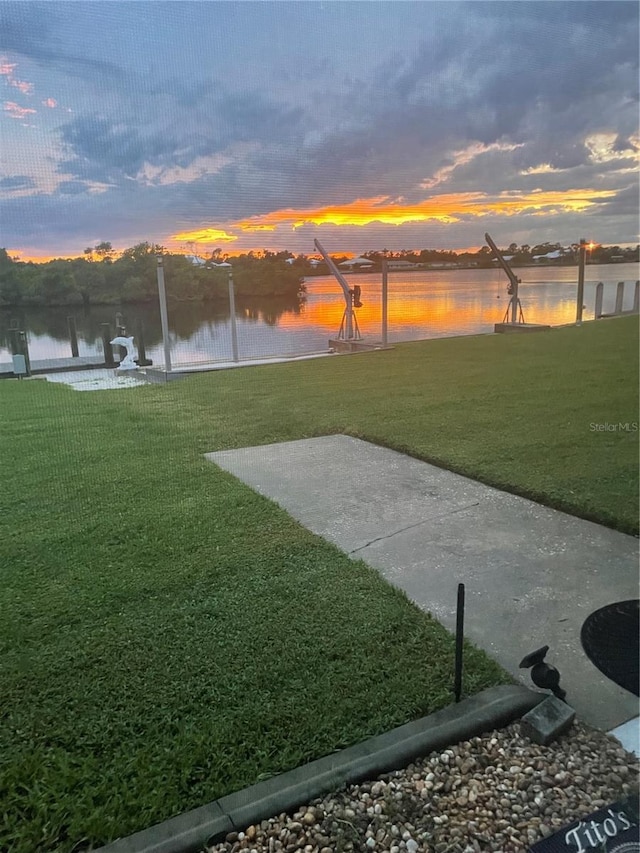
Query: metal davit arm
[514, 304]
[515, 281]
[343, 284]
[334, 270]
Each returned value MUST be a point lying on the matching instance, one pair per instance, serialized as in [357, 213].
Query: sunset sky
[367, 125]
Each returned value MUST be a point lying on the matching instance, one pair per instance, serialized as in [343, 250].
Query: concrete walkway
[532, 574]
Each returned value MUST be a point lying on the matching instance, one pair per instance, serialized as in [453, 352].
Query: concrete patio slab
[532, 574]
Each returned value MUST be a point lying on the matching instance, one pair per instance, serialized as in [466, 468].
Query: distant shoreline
[376, 268]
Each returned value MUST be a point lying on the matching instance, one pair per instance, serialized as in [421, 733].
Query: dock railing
[618, 309]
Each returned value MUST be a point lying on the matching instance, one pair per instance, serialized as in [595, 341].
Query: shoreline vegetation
[104, 277]
[101, 278]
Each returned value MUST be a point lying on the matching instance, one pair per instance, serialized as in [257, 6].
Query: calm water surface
[420, 305]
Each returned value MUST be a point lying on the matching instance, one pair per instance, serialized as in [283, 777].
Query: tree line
[101, 278]
[525, 255]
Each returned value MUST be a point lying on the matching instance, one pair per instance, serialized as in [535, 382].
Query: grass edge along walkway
[168, 635]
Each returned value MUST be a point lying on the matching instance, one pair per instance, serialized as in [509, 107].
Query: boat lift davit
[349, 330]
[514, 307]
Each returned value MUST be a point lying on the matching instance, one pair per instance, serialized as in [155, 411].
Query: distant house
[402, 265]
[202, 262]
[356, 264]
[555, 255]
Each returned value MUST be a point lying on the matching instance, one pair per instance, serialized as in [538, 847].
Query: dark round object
[610, 639]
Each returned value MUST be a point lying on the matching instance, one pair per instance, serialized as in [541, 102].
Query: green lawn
[168, 636]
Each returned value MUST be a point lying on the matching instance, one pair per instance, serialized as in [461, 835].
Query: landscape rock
[505, 793]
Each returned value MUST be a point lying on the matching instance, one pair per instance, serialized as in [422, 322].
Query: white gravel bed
[101, 379]
[498, 792]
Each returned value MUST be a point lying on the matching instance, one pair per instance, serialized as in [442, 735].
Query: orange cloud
[358, 212]
[446, 208]
[441, 208]
[50, 102]
[204, 235]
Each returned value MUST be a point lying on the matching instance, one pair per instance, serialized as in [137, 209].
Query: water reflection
[420, 305]
[48, 332]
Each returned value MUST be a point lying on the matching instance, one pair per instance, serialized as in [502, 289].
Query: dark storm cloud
[537, 73]
[117, 147]
[29, 30]
[17, 182]
[517, 71]
[540, 76]
[626, 202]
[72, 187]
[103, 147]
[75, 219]
[530, 74]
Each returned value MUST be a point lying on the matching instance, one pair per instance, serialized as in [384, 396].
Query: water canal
[421, 305]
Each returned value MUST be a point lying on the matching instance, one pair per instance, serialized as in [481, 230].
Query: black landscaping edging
[191, 831]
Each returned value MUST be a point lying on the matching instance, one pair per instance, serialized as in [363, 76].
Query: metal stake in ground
[459, 641]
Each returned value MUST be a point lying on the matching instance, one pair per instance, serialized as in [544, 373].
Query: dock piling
[599, 296]
[24, 350]
[106, 345]
[121, 332]
[73, 336]
[14, 342]
[141, 360]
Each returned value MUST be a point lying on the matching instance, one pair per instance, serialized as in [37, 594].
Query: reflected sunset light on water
[421, 305]
[460, 302]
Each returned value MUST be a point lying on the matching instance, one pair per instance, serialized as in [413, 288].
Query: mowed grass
[168, 636]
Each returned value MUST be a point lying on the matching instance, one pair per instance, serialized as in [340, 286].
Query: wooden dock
[57, 365]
